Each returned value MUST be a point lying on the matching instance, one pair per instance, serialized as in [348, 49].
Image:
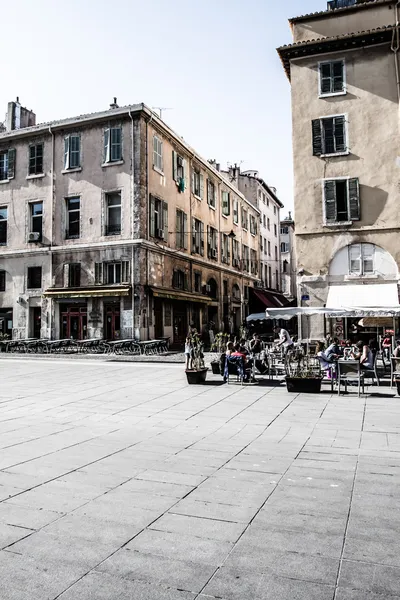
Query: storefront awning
[270, 299]
[88, 292]
[378, 295]
[183, 296]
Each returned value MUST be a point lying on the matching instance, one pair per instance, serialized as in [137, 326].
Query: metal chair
[234, 365]
[394, 369]
[373, 373]
[350, 372]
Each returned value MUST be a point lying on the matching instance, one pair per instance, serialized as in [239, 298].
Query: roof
[363, 4]
[347, 41]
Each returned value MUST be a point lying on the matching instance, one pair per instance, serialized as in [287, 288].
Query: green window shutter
[185, 180]
[317, 137]
[185, 232]
[66, 152]
[174, 165]
[201, 186]
[208, 241]
[330, 201]
[193, 188]
[338, 76]
[340, 134]
[152, 217]
[11, 164]
[165, 221]
[326, 78]
[354, 199]
[106, 145]
[194, 240]
[202, 239]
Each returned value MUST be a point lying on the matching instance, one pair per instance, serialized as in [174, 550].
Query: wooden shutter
[152, 217]
[98, 273]
[330, 201]
[201, 239]
[125, 271]
[354, 199]
[337, 76]
[66, 152]
[193, 186]
[165, 220]
[325, 78]
[184, 169]
[222, 247]
[106, 145]
[11, 164]
[201, 186]
[340, 134]
[317, 137]
[208, 241]
[174, 165]
[195, 247]
[185, 232]
[66, 275]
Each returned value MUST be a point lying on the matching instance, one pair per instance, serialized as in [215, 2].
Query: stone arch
[363, 259]
[213, 288]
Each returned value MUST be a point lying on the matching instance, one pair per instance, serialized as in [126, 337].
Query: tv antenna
[161, 109]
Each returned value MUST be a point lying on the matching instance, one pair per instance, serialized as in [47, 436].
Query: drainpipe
[133, 224]
[395, 48]
[50, 312]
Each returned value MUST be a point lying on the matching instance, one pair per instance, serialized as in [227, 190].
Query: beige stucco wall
[338, 23]
[372, 111]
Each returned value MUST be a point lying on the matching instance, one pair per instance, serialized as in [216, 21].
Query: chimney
[114, 104]
[218, 166]
[290, 216]
[19, 117]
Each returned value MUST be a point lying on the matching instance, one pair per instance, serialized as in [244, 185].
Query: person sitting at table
[386, 346]
[229, 349]
[396, 351]
[333, 351]
[255, 344]
[364, 354]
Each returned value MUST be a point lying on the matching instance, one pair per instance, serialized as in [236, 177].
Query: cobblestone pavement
[119, 481]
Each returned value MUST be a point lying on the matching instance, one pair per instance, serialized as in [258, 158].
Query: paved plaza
[118, 481]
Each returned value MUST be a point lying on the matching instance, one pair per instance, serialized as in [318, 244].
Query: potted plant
[301, 374]
[219, 347]
[198, 373]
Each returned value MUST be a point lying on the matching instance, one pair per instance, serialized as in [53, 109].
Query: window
[2, 281]
[285, 266]
[211, 194]
[264, 218]
[36, 159]
[253, 225]
[341, 200]
[269, 248]
[179, 170]
[197, 237]
[34, 278]
[265, 246]
[284, 230]
[245, 223]
[245, 258]
[72, 152]
[236, 212]
[268, 225]
[7, 164]
[361, 259]
[157, 154]
[112, 273]
[270, 277]
[225, 249]
[275, 230]
[276, 253]
[158, 219]
[225, 287]
[235, 254]
[331, 78]
[284, 247]
[181, 230]
[253, 262]
[73, 217]
[74, 275]
[235, 291]
[274, 210]
[197, 282]
[3, 225]
[212, 243]
[112, 144]
[263, 198]
[329, 136]
[276, 280]
[36, 215]
[226, 203]
[197, 184]
[113, 216]
[261, 242]
[179, 280]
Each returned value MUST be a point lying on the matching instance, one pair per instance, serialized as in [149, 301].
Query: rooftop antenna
[161, 108]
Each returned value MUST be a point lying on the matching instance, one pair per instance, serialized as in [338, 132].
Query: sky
[212, 63]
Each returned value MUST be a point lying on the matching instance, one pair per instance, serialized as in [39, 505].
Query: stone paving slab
[119, 482]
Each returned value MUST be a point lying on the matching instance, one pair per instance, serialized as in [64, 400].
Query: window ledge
[197, 197]
[212, 207]
[38, 176]
[335, 154]
[112, 163]
[4, 181]
[339, 224]
[352, 277]
[333, 94]
[160, 171]
[75, 170]
[224, 216]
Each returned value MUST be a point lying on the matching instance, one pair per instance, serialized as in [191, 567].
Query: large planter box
[196, 377]
[304, 385]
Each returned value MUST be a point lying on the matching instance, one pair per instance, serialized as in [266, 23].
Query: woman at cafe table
[364, 353]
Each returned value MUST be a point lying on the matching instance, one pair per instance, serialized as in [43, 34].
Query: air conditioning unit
[214, 253]
[33, 236]
[160, 234]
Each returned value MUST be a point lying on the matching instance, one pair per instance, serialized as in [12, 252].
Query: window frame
[107, 197]
[4, 220]
[74, 275]
[197, 236]
[68, 153]
[3, 280]
[158, 224]
[109, 145]
[235, 211]
[33, 218]
[212, 242]
[349, 221]
[68, 235]
[29, 282]
[35, 171]
[225, 203]
[197, 183]
[325, 154]
[8, 169]
[181, 230]
[211, 199]
[362, 258]
[322, 94]
[158, 162]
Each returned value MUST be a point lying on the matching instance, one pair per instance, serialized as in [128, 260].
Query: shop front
[6, 322]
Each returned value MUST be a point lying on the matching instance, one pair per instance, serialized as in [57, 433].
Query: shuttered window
[329, 136]
[226, 203]
[7, 164]
[181, 230]
[341, 200]
[197, 237]
[72, 152]
[158, 212]
[197, 184]
[361, 259]
[332, 78]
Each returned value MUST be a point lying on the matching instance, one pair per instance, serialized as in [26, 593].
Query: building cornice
[361, 5]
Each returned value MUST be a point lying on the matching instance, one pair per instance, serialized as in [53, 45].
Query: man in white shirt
[284, 339]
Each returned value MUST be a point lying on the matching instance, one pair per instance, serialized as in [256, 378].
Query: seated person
[333, 351]
[387, 346]
[229, 349]
[255, 344]
[364, 354]
[396, 352]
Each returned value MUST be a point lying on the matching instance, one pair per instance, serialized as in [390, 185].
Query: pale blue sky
[212, 61]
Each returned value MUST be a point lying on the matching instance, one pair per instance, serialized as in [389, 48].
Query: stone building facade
[112, 226]
[342, 66]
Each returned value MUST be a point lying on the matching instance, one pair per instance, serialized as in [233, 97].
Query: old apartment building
[112, 226]
[344, 69]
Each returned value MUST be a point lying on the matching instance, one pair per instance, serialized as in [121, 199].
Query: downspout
[50, 312]
[147, 250]
[395, 49]
[133, 223]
